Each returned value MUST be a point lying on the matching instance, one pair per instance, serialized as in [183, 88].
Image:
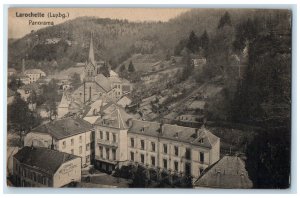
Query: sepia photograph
[187, 98]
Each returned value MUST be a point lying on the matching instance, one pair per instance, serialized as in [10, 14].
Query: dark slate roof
[113, 116]
[229, 172]
[65, 127]
[44, 159]
[175, 132]
[103, 81]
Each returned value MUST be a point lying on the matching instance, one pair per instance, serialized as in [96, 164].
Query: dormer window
[142, 129]
[201, 140]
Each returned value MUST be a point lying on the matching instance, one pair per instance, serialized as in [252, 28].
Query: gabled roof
[94, 106]
[145, 127]
[65, 127]
[175, 132]
[103, 81]
[65, 102]
[112, 119]
[229, 172]
[91, 119]
[205, 138]
[44, 159]
[34, 71]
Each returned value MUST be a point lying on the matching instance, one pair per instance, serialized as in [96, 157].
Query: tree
[32, 99]
[225, 20]
[193, 42]
[263, 98]
[50, 93]
[20, 117]
[245, 31]
[204, 42]
[131, 67]
[189, 67]
[268, 158]
[139, 178]
[180, 46]
[122, 68]
[14, 83]
[75, 80]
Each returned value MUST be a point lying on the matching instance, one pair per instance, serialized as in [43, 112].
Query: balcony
[111, 161]
[107, 143]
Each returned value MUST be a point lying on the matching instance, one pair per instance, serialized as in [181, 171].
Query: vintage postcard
[149, 98]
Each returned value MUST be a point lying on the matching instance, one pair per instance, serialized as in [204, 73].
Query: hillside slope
[114, 40]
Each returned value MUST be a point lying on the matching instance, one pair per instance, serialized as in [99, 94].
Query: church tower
[91, 52]
[90, 67]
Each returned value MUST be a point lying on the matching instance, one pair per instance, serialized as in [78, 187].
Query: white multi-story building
[171, 148]
[168, 148]
[34, 74]
[111, 139]
[69, 135]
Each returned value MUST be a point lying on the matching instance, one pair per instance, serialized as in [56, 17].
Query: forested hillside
[114, 40]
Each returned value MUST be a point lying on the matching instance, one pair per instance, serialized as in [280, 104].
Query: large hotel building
[170, 148]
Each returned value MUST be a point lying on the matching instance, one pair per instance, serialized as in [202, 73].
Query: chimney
[204, 122]
[197, 132]
[130, 122]
[52, 145]
[161, 128]
[176, 135]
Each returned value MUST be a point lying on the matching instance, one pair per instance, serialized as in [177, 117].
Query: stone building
[70, 135]
[172, 149]
[43, 167]
[111, 138]
[182, 151]
[95, 85]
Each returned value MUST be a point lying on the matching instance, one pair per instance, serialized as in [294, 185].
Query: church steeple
[91, 52]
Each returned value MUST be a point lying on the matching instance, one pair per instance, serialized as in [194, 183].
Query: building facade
[42, 167]
[177, 150]
[110, 141]
[34, 74]
[70, 135]
[173, 149]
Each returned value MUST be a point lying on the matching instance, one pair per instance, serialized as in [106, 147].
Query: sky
[19, 26]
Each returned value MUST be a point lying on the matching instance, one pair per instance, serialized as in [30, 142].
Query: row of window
[118, 86]
[87, 148]
[165, 149]
[107, 136]
[165, 163]
[153, 145]
[107, 153]
[36, 177]
[64, 143]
